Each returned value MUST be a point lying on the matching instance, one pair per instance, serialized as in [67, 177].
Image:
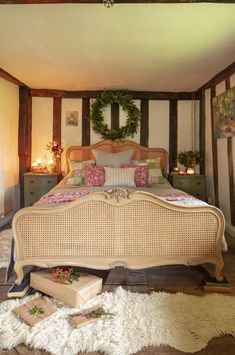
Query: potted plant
[189, 158]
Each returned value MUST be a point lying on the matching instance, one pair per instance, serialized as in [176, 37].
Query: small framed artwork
[71, 118]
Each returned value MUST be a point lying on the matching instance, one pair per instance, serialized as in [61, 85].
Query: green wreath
[124, 100]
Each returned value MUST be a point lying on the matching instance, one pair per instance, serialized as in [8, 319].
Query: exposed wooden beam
[57, 120]
[202, 132]
[5, 75]
[115, 115]
[225, 73]
[144, 122]
[231, 169]
[148, 95]
[86, 121]
[116, 1]
[214, 152]
[173, 133]
[24, 136]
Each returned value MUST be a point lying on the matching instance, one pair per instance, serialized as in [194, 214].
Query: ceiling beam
[4, 2]
[5, 75]
[149, 95]
[222, 75]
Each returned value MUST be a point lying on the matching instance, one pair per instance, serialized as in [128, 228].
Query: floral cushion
[154, 170]
[76, 175]
[94, 175]
[141, 174]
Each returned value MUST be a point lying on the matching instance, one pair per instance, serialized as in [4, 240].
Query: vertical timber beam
[173, 132]
[85, 121]
[230, 169]
[57, 120]
[115, 115]
[24, 136]
[214, 152]
[202, 133]
[144, 122]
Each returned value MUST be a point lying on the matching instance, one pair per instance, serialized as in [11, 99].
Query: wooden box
[25, 311]
[73, 294]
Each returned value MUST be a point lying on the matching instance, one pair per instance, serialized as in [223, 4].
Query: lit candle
[190, 171]
[34, 164]
[39, 161]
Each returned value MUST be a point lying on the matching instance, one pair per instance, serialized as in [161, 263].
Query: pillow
[141, 174]
[154, 167]
[112, 159]
[119, 177]
[94, 175]
[76, 175]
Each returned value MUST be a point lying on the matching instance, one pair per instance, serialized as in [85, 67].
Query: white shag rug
[5, 247]
[184, 322]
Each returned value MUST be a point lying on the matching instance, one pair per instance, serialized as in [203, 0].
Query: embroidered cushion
[141, 174]
[94, 175]
[112, 159]
[119, 177]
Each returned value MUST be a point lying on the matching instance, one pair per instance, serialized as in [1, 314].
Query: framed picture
[224, 114]
[71, 118]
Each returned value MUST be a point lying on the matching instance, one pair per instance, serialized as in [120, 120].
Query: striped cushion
[119, 177]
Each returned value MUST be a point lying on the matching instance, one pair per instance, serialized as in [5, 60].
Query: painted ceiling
[156, 47]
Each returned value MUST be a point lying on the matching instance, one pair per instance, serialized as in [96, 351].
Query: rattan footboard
[103, 230]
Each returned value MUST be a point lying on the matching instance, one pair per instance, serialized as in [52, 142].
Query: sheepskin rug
[184, 322]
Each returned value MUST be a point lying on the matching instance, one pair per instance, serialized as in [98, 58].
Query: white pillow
[114, 160]
[119, 177]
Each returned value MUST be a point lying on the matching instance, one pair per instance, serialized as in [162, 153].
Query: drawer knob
[181, 183]
[31, 181]
[198, 183]
[31, 193]
[49, 181]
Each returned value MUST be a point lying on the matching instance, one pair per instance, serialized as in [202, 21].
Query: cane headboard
[140, 152]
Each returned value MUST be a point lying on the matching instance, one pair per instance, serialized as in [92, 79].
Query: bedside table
[37, 185]
[194, 185]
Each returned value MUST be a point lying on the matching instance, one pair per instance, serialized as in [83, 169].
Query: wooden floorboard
[173, 279]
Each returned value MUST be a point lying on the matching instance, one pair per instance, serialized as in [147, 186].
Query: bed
[119, 226]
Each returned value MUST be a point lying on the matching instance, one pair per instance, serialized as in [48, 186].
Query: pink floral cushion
[141, 174]
[94, 175]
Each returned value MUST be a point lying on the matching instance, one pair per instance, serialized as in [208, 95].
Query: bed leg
[218, 268]
[19, 273]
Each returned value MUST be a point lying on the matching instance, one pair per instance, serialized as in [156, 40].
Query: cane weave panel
[96, 229]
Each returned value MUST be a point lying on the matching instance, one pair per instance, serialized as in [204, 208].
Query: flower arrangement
[189, 158]
[55, 149]
[65, 275]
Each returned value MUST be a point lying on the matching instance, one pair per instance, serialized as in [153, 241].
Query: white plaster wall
[159, 124]
[223, 175]
[42, 127]
[9, 161]
[208, 149]
[70, 135]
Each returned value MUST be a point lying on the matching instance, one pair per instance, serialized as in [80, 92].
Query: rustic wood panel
[57, 119]
[5, 75]
[230, 169]
[214, 152]
[149, 95]
[173, 133]
[24, 136]
[86, 121]
[223, 75]
[202, 132]
[115, 115]
[144, 122]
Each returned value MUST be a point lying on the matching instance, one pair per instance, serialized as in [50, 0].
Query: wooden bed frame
[104, 230]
